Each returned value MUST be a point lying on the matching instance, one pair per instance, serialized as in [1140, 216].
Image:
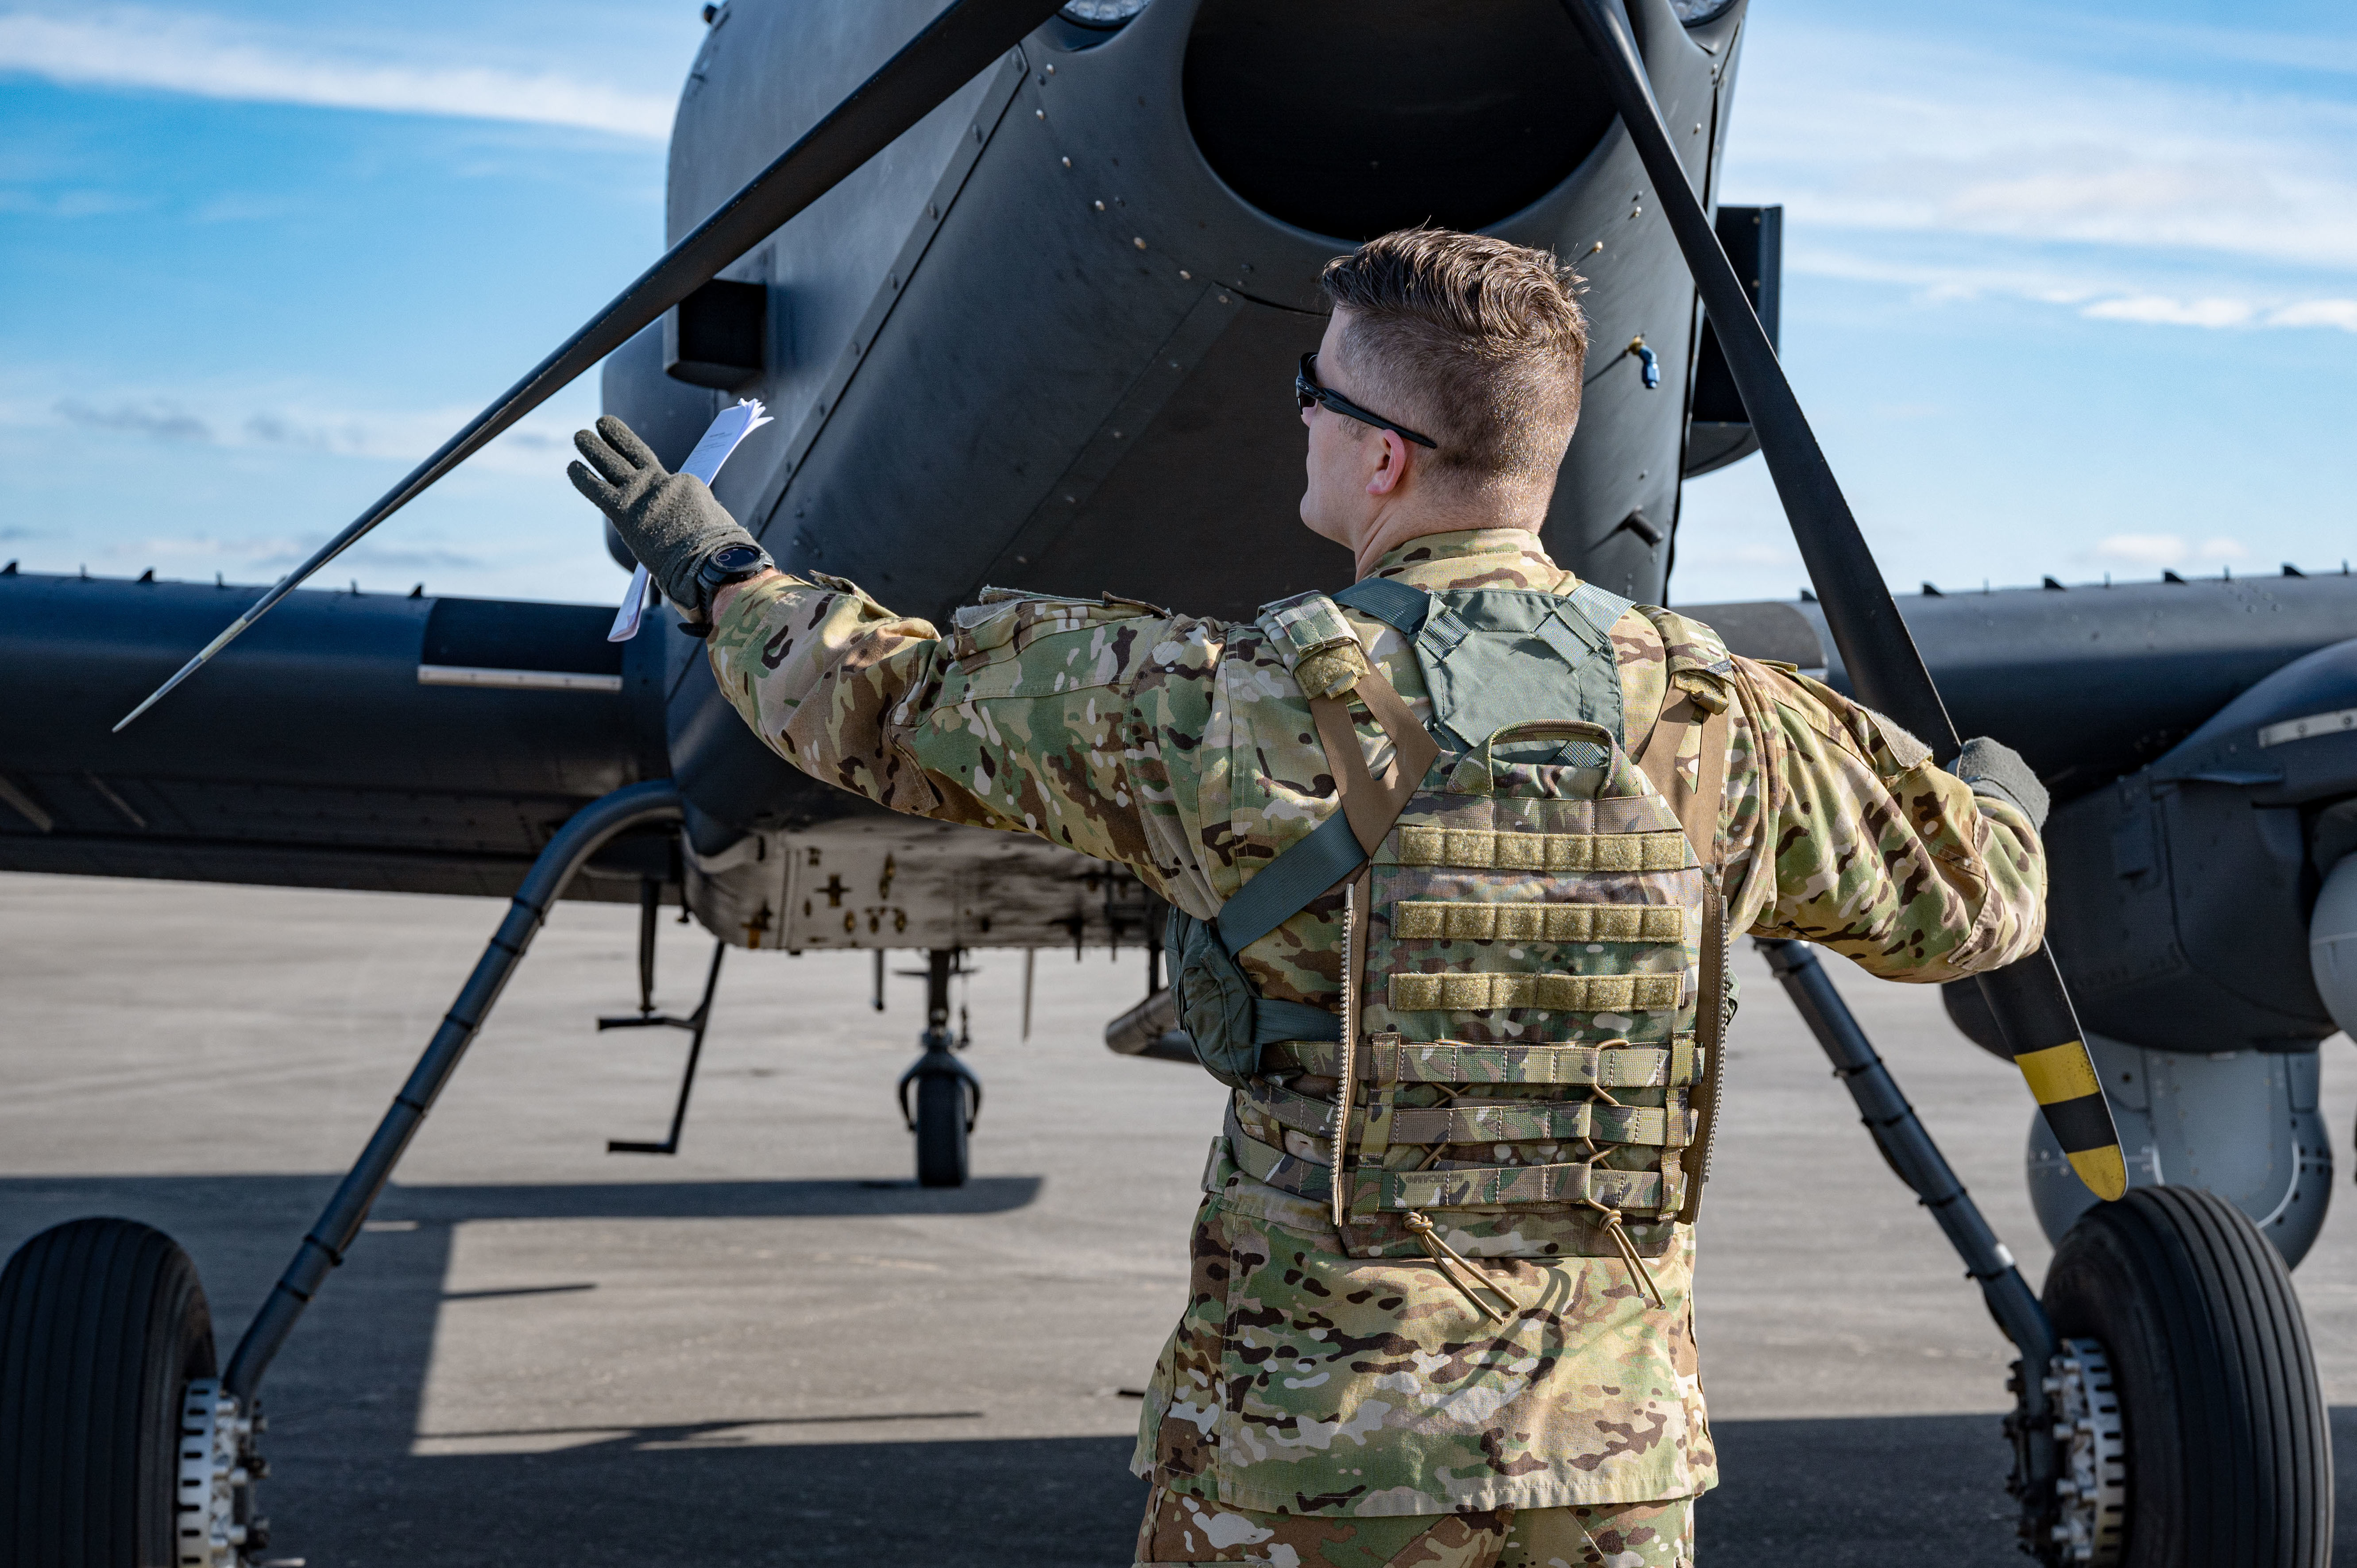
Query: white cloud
[2175, 196]
[180, 53]
[161, 418]
[2105, 288]
[2340, 313]
[276, 553]
[2153, 551]
[535, 444]
[539, 444]
[2159, 310]
[1984, 143]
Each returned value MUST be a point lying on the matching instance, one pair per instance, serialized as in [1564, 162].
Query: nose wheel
[946, 1097]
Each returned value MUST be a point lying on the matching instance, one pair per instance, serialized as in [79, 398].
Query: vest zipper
[1346, 1089]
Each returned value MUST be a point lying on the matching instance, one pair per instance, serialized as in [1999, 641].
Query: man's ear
[1391, 465]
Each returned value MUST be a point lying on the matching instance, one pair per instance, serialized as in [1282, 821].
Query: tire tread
[102, 1322]
[2183, 1289]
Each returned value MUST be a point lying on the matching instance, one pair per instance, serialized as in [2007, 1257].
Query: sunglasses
[1305, 391]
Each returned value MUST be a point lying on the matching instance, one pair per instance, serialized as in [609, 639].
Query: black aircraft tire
[2228, 1457]
[941, 1131]
[102, 1325]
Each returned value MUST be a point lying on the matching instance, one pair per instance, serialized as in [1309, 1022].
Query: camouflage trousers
[1178, 1529]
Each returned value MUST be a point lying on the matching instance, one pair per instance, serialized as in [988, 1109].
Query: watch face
[737, 557]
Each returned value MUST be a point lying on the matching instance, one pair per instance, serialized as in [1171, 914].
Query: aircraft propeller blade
[952, 48]
[2027, 998]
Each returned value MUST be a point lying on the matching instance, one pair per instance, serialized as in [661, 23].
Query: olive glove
[670, 522]
[1995, 769]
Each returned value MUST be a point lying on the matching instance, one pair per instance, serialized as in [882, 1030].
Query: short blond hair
[1473, 341]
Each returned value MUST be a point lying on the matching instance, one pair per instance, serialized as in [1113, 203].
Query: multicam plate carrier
[1532, 938]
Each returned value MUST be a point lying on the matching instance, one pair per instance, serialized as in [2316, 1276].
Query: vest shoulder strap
[1402, 607]
[1684, 753]
[1284, 887]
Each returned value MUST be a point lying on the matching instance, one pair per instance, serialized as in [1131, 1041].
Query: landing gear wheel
[2172, 1304]
[941, 1125]
[103, 1327]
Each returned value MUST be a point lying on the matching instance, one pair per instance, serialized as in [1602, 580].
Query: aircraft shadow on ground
[348, 1491]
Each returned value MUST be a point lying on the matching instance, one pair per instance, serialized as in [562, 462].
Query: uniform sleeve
[1841, 829]
[1067, 719]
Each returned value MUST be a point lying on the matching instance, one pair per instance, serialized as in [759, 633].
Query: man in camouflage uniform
[1314, 1408]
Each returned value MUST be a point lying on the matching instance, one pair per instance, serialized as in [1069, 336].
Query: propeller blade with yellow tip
[2041, 1030]
[1878, 652]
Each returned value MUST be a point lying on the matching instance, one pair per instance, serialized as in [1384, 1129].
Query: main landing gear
[948, 1096]
[116, 1447]
[2168, 1409]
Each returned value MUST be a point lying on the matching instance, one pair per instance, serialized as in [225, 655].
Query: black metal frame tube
[1907, 1145]
[695, 1023]
[331, 1236]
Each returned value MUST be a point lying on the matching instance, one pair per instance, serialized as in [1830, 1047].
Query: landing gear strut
[647, 1018]
[948, 1095]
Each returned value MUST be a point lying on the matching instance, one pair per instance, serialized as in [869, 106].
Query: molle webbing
[1458, 1062]
[1485, 1123]
[1488, 1186]
[1518, 1186]
[1482, 849]
[1450, 920]
[1485, 993]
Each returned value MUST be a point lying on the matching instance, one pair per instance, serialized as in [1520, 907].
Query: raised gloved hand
[1994, 769]
[671, 522]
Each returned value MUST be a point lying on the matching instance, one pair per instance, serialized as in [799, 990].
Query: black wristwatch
[729, 563]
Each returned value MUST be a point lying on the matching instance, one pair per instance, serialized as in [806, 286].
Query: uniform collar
[1476, 557]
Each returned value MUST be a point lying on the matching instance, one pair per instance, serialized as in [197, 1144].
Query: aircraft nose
[1355, 117]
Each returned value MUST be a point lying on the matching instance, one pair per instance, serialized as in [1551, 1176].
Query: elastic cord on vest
[1451, 1262]
[1628, 1248]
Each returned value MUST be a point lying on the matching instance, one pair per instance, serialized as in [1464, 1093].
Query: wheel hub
[2091, 1493]
[220, 1463]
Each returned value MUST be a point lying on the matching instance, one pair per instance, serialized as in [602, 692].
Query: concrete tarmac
[774, 1348]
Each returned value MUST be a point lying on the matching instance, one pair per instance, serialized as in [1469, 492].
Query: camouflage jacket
[1300, 1379]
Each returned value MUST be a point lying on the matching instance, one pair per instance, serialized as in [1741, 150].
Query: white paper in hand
[720, 439]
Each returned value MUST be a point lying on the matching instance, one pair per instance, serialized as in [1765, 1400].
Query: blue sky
[2070, 289]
